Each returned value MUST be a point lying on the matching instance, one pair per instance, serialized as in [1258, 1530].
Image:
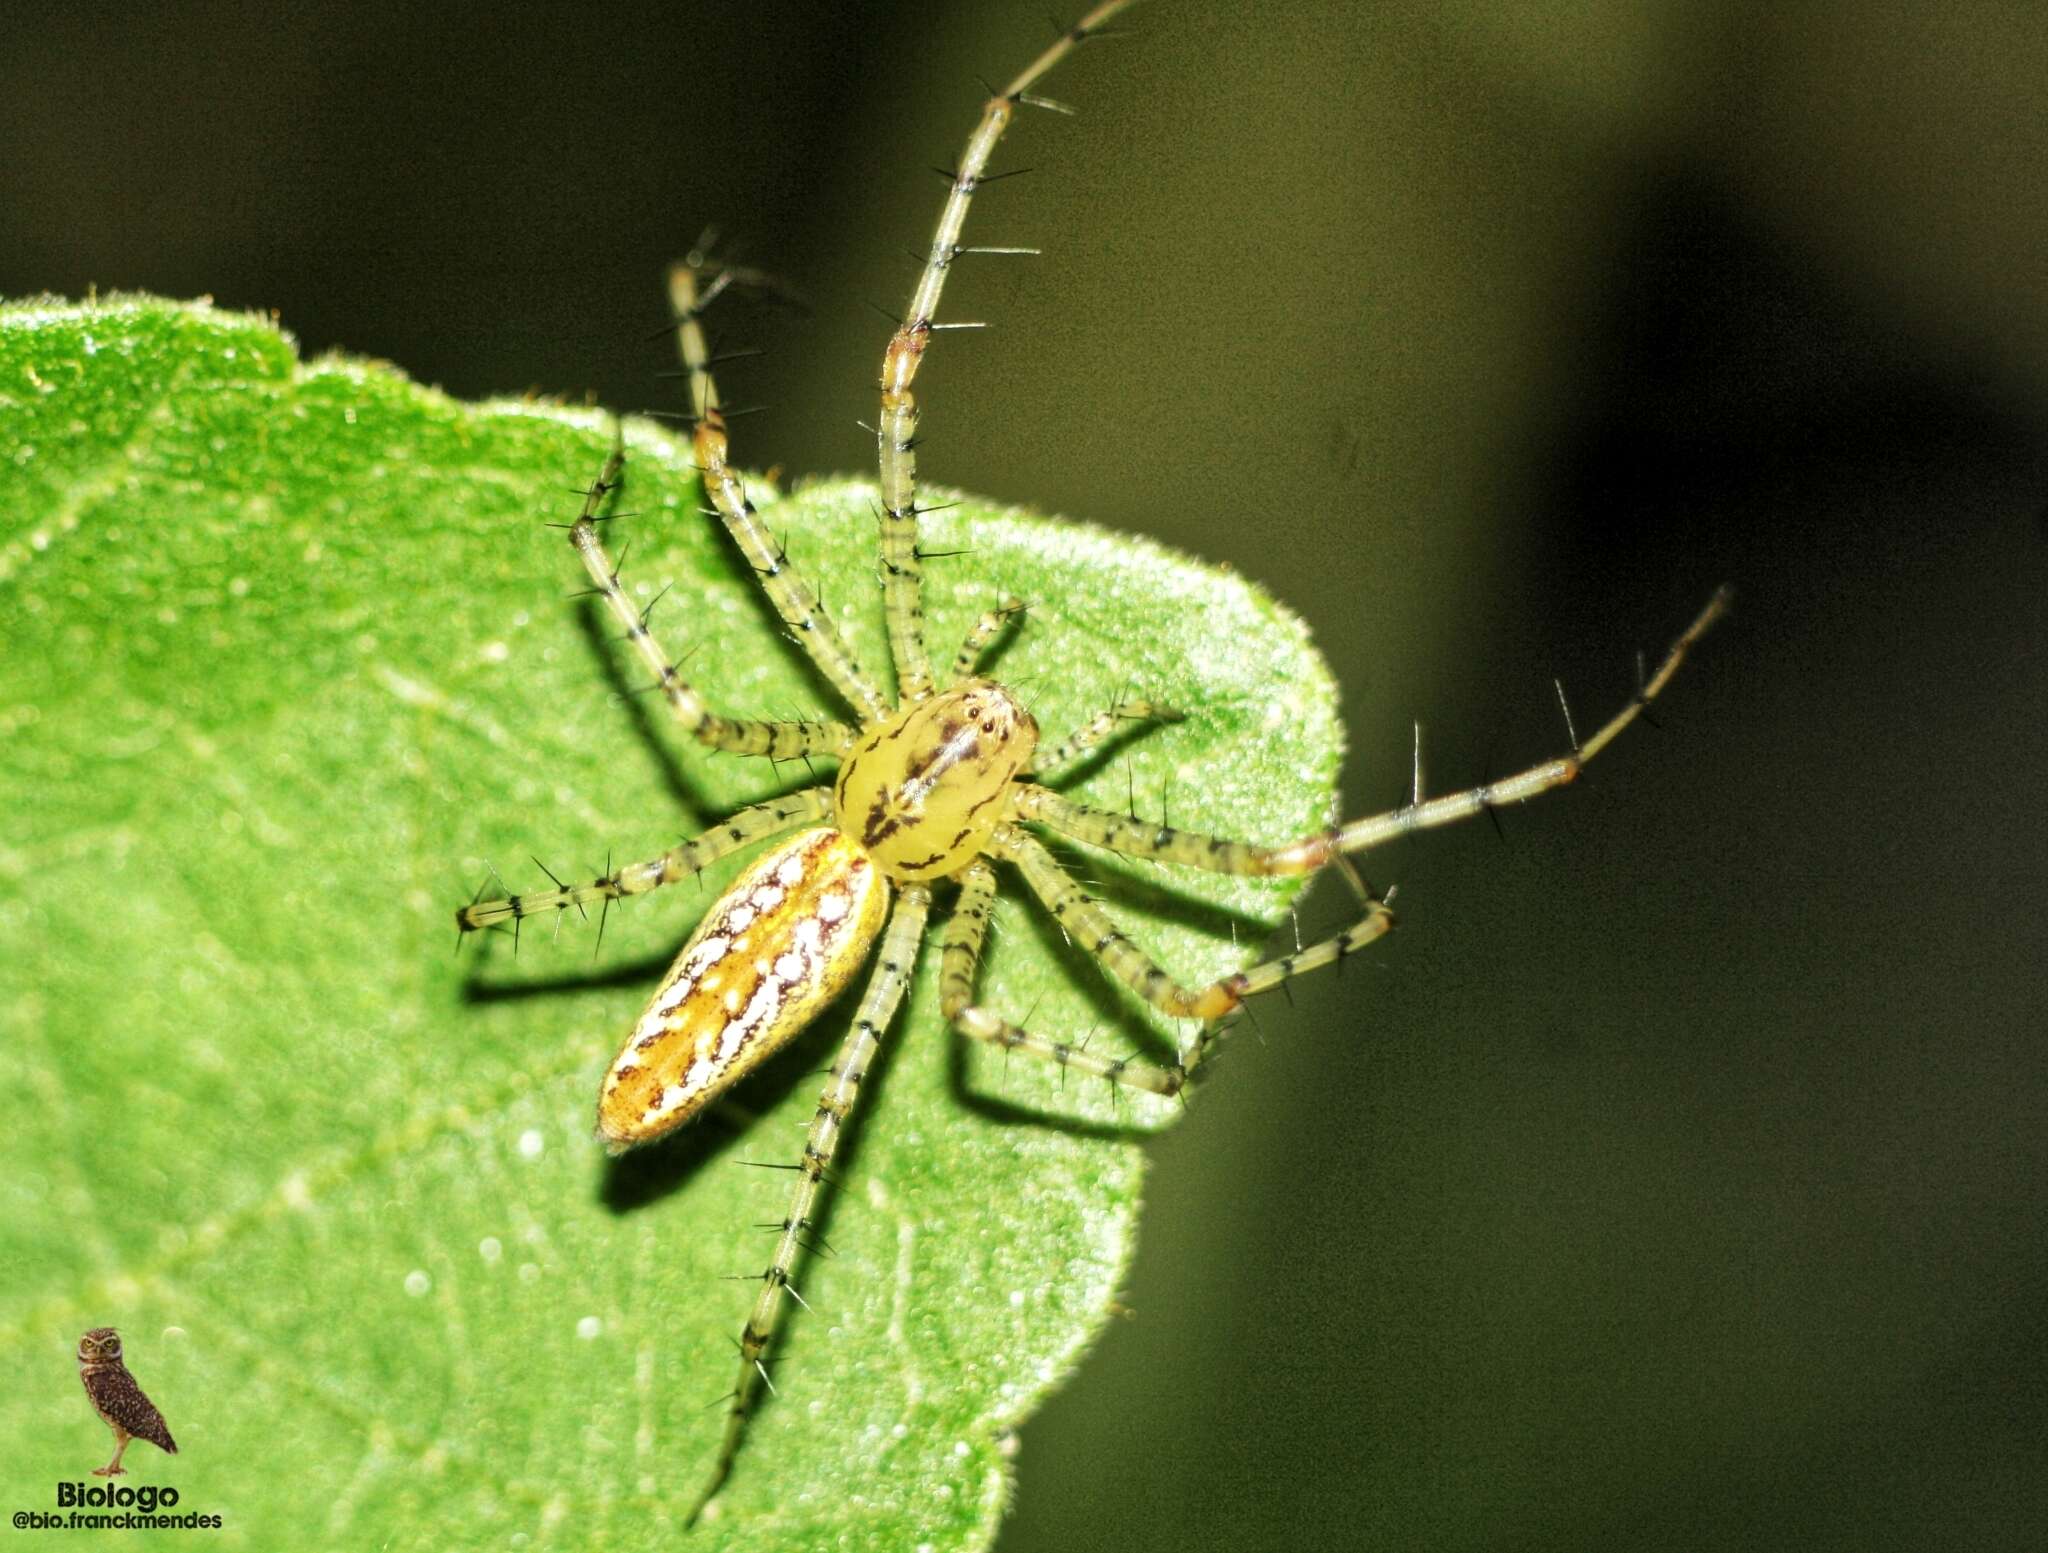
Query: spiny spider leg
[794, 599]
[992, 621]
[738, 829]
[1099, 727]
[896, 427]
[1215, 854]
[885, 990]
[1082, 916]
[959, 965]
[740, 736]
[1370, 831]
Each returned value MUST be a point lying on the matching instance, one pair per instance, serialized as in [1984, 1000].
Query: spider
[935, 786]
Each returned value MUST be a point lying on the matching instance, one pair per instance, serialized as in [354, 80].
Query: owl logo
[118, 1400]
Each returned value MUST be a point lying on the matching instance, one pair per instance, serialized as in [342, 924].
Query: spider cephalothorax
[925, 790]
[936, 786]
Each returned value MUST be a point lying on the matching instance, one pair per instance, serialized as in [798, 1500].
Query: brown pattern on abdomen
[779, 945]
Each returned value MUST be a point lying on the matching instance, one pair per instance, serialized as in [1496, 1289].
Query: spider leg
[1100, 727]
[1115, 831]
[1216, 854]
[877, 1006]
[896, 427]
[960, 960]
[992, 621]
[742, 826]
[794, 599]
[740, 736]
[1083, 917]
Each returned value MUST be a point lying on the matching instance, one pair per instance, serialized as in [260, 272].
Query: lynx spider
[933, 787]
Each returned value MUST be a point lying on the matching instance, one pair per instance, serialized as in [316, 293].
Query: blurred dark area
[1676, 1177]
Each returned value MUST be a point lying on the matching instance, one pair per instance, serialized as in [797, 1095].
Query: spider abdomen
[924, 790]
[778, 946]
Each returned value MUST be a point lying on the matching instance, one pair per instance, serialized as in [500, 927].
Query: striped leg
[1084, 919]
[742, 826]
[877, 1006]
[1100, 727]
[896, 428]
[985, 630]
[1370, 831]
[740, 736]
[1190, 849]
[793, 598]
[960, 961]
[1116, 831]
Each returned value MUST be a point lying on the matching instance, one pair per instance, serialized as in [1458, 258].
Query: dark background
[1675, 1177]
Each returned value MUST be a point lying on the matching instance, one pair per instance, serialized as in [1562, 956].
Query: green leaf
[290, 663]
